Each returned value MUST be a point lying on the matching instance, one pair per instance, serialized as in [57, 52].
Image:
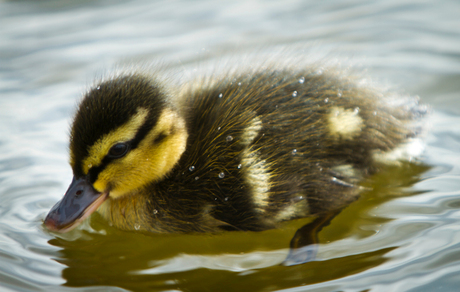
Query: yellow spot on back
[257, 177]
[293, 210]
[404, 152]
[344, 123]
[251, 132]
[256, 170]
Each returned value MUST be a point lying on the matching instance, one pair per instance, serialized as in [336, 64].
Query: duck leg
[304, 244]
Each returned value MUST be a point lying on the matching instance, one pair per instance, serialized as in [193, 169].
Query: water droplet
[137, 226]
[229, 138]
[300, 197]
[319, 72]
[356, 110]
[221, 175]
[294, 151]
[294, 94]
[239, 166]
[191, 168]
[197, 177]
[302, 80]
[155, 211]
[339, 93]
[215, 199]
[226, 199]
[239, 83]
[99, 87]
[319, 166]
[374, 113]
[218, 128]
[220, 95]
[90, 165]
[326, 100]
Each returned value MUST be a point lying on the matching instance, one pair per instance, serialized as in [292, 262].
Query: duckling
[240, 151]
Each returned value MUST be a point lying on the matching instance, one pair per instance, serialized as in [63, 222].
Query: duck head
[125, 135]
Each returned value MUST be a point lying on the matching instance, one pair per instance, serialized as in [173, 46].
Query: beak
[80, 200]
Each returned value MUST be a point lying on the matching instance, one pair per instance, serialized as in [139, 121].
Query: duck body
[244, 151]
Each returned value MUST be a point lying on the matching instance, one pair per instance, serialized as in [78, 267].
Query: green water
[232, 261]
[403, 235]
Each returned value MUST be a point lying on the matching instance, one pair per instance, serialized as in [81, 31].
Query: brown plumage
[243, 151]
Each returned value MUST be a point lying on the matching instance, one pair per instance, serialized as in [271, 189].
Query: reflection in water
[243, 260]
[90, 264]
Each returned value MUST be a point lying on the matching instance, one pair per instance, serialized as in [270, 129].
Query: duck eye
[118, 150]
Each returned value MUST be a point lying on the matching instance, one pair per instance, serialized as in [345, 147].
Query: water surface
[401, 236]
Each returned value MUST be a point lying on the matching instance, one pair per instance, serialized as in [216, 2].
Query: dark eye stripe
[141, 134]
[159, 138]
[93, 173]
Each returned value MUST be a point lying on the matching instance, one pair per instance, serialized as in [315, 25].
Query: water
[402, 236]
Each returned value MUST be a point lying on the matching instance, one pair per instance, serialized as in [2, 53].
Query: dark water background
[402, 236]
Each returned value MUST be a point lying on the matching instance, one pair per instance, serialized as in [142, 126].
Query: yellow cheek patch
[149, 162]
[124, 133]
